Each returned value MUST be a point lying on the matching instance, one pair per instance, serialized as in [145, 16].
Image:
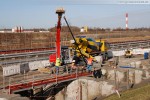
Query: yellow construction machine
[104, 46]
[128, 53]
[90, 47]
[83, 47]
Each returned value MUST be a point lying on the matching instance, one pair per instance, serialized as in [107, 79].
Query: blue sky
[92, 13]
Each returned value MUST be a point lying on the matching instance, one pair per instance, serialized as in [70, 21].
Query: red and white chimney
[126, 21]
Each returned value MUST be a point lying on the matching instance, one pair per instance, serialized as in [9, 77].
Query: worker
[57, 64]
[95, 73]
[89, 64]
[83, 69]
[76, 59]
[99, 73]
[73, 66]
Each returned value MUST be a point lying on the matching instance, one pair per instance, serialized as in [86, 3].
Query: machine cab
[104, 46]
[66, 56]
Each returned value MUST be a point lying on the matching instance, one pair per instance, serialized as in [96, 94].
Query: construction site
[29, 70]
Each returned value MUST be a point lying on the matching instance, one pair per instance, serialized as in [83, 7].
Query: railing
[130, 44]
[37, 81]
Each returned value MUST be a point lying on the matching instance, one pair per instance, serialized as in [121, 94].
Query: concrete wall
[136, 64]
[11, 69]
[35, 65]
[135, 76]
[85, 89]
[138, 76]
[111, 74]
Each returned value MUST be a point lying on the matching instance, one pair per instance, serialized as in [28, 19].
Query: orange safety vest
[89, 61]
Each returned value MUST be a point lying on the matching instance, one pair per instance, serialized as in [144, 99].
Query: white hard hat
[72, 41]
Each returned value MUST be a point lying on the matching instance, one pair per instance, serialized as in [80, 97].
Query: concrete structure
[17, 29]
[90, 88]
[11, 69]
[85, 89]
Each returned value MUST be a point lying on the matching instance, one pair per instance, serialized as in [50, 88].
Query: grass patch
[142, 93]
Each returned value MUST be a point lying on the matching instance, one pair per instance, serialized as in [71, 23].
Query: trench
[43, 94]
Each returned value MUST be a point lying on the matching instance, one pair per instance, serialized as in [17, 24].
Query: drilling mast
[59, 11]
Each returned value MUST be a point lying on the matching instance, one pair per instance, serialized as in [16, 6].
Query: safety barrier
[38, 82]
[35, 65]
[11, 69]
[23, 67]
[134, 51]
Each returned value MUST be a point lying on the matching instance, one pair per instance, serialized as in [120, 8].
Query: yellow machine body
[128, 53]
[104, 46]
[89, 47]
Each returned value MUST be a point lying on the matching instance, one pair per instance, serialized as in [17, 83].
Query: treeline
[90, 30]
[65, 29]
[96, 29]
[117, 29]
[77, 29]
